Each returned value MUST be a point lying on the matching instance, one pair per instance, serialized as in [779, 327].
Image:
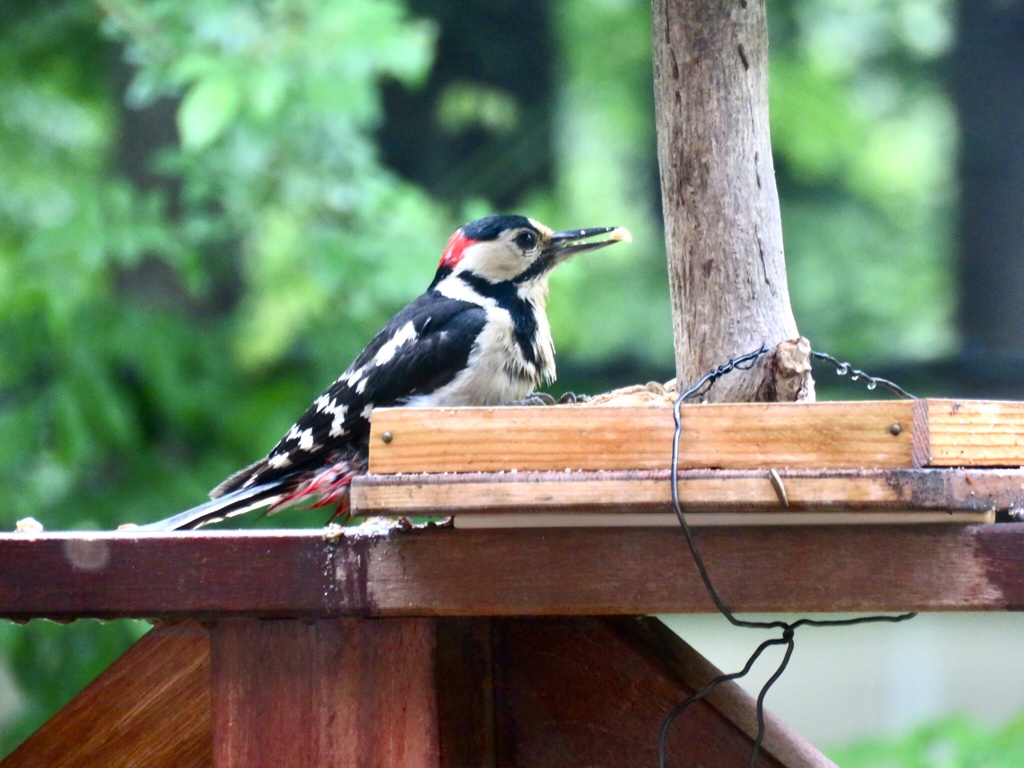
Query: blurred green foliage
[956, 742]
[161, 326]
[864, 137]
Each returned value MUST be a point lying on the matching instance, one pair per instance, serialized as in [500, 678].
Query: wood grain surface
[700, 490]
[726, 436]
[453, 692]
[150, 708]
[592, 692]
[975, 433]
[723, 227]
[329, 693]
[440, 571]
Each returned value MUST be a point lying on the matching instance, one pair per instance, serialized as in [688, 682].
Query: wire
[788, 629]
[704, 384]
[663, 736]
[843, 368]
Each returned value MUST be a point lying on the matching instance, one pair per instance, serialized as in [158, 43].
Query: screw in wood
[387, 437]
[779, 486]
[895, 429]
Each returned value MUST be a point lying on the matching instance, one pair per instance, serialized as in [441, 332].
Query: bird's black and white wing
[418, 352]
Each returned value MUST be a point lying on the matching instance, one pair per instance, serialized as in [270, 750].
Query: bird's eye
[526, 240]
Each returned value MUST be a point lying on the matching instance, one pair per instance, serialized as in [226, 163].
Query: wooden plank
[586, 692]
[204, 575]
[975, 433]
[718, 519]
[464, 675]
[440, 571]
[700, 490]
[615, 571]
[331, 693]
[730, 436]
[151, 707]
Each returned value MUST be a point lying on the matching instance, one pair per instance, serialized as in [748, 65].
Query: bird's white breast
[496, 372]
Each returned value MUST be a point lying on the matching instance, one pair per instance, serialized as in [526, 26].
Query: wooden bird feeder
[441, 646]
[739, 463]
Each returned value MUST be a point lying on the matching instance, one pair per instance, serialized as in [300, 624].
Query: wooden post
[723, 229]
[327, 693]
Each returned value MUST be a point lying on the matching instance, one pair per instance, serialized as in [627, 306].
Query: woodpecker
[479, 335]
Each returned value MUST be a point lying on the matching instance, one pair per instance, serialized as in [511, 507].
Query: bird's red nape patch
[457, 245]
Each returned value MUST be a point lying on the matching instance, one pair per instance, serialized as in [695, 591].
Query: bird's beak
[562, 245]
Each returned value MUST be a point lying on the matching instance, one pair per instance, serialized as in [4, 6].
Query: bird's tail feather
[230, 504]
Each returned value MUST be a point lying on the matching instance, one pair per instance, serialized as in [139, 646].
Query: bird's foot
[543, 398]
[571, 398]
[537, 398]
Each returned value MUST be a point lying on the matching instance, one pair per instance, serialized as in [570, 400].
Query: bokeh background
[207, 207]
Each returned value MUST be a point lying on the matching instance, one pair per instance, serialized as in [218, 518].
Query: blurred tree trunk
[988, 88]
[144, 132]
[723, 228]
[482, 124]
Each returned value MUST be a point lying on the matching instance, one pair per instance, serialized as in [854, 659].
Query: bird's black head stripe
[540, 265]
[489, 227]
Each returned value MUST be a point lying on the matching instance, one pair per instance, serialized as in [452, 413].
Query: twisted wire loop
[870, 382]
[787, 629]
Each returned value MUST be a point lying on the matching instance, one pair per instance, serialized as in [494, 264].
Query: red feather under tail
[329, 486]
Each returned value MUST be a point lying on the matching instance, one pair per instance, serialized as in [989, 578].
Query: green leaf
[267, 92]
[207, 109]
